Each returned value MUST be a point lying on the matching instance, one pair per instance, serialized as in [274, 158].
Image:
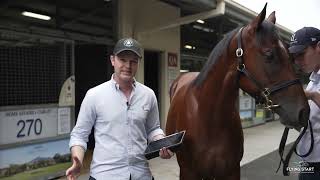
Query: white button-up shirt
[121, 130]
[304, 145]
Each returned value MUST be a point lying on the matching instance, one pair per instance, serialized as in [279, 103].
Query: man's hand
[165, 153]
[74, 171]
[314, 96]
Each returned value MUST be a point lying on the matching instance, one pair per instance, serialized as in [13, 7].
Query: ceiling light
[197, 27]
[205, 29]
[188, 47]
[200, 21]
[35, 15]
[184, 70]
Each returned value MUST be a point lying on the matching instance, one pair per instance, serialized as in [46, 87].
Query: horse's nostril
[304, 116]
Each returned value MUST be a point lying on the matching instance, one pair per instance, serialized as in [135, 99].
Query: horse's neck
[221, 88]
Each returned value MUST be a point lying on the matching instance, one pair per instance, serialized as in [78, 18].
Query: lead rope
[293, 147]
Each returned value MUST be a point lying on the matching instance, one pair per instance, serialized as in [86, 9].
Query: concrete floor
[260, 143]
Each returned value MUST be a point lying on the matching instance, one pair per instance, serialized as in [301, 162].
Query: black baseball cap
[302, 38]
[128, 44]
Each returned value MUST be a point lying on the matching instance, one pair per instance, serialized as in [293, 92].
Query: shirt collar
[117, 86]
[315, 76]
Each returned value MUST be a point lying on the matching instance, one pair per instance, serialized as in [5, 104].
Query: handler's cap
[302, 38]
[128, 44]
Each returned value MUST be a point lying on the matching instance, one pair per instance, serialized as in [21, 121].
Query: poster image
[36, 161]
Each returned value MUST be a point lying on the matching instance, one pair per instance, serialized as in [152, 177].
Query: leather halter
[265, 92]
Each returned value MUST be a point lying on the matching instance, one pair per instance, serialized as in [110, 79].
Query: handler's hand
[165, 153]
[74, 171]
[314, 96]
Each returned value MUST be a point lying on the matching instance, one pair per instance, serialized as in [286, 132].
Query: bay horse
[206, 105]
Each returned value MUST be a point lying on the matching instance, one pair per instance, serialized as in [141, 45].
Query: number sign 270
[26, 127]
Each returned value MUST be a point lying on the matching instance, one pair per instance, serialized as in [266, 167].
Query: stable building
[52, 52]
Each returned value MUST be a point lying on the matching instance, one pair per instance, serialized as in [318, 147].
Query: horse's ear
[256, 23]
[272, 17]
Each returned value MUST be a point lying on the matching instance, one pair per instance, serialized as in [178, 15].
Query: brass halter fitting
[239, 52]
[268, 102]
[241, 67]
[266, 93]
[269, 105]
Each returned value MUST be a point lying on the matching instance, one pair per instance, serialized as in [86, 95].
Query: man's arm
[79, 135]
[154, 130]
[77, 154]
[78, 151]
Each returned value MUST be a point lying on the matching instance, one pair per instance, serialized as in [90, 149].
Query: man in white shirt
[305, 49]
[125, 116]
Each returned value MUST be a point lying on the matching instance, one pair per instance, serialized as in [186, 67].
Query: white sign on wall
[64, 120]
[245, 103]
[24, 125]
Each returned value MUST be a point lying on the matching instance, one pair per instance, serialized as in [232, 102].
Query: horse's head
[268, 74]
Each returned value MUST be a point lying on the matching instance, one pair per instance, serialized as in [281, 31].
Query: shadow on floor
[264, 168]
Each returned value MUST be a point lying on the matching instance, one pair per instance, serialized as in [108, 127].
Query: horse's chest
[214, 161]
[222, 155]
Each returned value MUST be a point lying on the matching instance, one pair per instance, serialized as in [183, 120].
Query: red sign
[172, 60]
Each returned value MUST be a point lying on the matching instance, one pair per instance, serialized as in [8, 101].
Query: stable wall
[140, 19]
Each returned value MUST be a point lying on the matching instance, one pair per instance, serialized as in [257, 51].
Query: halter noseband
[265, 93]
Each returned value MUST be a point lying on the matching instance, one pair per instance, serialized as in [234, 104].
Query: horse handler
[305, 49]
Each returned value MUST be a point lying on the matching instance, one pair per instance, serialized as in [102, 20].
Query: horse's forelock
[267, 32]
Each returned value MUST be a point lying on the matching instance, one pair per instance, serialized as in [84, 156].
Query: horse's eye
[269, 54]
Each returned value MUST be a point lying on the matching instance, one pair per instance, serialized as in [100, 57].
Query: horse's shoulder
[182, 81]
[186, 79]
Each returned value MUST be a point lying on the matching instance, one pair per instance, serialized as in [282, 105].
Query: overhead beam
[220, 10]
[193, 5]
[83, 16]
[82, 27]
[46, 33]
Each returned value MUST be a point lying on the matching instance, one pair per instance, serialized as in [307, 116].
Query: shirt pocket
[141, 113]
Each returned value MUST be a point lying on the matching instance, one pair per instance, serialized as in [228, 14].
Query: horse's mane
[217, 51]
